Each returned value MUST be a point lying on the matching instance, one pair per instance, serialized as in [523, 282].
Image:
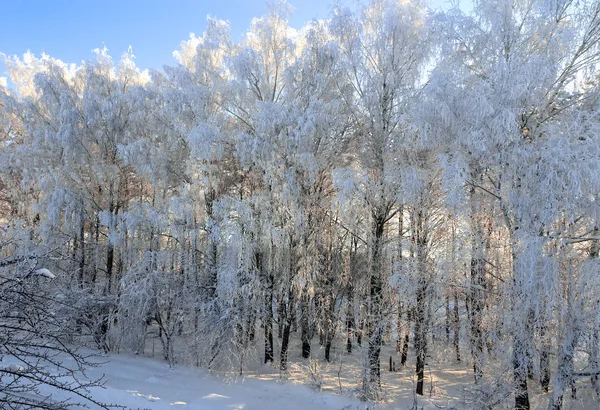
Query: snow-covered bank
[143, 383]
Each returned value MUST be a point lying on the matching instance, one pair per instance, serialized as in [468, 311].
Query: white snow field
[145, 383]
[142, 382]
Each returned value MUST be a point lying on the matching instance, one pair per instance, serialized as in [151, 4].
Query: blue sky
[70, 29]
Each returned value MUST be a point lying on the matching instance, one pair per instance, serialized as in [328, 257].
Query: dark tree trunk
[305, 335]
[268, 310]
[110, 256]
[421, 311]
[82, 249]
[375, 327]
[476, 311]
[327, 351]
[400, 329]
[448, 319]
[544, 370]
[269, 341]
[96, 246]
[329, 327]
[349, 321]
[595, 340]
[210, 196]
[520, 375]
[420, 339]
[404, 357]
[361, 326]
[456, 327]
[280, 315]
[287, 327]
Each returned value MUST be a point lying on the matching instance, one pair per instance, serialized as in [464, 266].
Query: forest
[393, 177]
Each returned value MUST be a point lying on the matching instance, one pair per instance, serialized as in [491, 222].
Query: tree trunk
[399, 329]
[280, 315]
[268, 310]
[595, 337]
[519, 354]
[520, 374]
[110, 256]
[81, 277]
[287, 328]
[476, 311]
[375, 329]
[305, 335]
[210, 265]
[448, 320]
[329, 326]
[404, 357]
[421, 310]
[350, 320]
[544, 360]
[420, 338]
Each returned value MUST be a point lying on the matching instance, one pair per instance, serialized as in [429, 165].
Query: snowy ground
[139, 382]
[145, 383]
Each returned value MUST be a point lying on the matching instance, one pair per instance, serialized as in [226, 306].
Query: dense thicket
[390, 175]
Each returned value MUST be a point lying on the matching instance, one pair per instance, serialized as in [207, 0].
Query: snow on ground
[144, 383]
[140, 382]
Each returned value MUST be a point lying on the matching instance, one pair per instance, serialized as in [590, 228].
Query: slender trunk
[110, 250]
[375, 327]
[404, 356]
[96, 252]
[520, 374]
[269, 334]
[399, 329]
[268, 320]
[544, 357]
[420, 338]
[251, 327]
[519, 355]
[476, 289]
[448, 320]
[421, 309]
[456, 326]
[327, 351]
[329, 325]
[349, 320]
[280, 315]
[399, 326]
[81, 250]
[476, 311]
[361, 326]
[287, 327]
[210, 196]
[305, 323]
[110, 256]
[289, 308]
[595, 339]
